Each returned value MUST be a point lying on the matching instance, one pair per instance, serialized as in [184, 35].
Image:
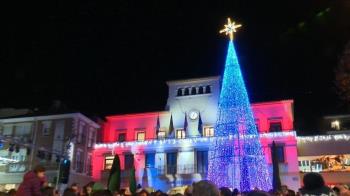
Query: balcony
[181, 169]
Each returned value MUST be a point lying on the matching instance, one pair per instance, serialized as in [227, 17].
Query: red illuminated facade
[163, 162]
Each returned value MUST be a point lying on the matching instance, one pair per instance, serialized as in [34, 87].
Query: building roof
[36, 116]
[193, 80]
[137, 115]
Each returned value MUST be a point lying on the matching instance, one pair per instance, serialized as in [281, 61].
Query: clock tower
[194, 97]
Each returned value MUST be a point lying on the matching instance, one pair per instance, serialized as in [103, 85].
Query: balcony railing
[181, 169]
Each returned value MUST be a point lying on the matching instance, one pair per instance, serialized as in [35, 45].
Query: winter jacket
[30, 186]
[322, 191]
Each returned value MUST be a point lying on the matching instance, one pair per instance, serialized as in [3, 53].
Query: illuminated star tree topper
[230, 28]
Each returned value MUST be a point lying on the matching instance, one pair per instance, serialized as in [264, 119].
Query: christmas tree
[236, 158]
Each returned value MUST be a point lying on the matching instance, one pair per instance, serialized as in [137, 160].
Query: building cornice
[138, 115]
[193, 80]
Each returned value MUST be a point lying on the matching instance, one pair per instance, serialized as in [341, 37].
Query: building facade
[328, 154]
[170, 148]
[31, 140]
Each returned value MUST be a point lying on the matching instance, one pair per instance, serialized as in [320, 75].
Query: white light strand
[190, 140]
[323, 138]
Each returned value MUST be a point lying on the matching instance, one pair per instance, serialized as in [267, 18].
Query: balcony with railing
[181, 169]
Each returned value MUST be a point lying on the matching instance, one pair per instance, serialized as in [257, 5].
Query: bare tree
[342, 76]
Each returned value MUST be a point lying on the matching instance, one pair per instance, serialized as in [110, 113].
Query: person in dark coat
[32, 182]
[315, 185]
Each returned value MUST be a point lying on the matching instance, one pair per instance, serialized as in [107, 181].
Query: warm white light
[335, 124]
[230, 28]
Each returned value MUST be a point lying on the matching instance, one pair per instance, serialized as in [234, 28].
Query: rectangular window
[46, 128]
[108, 162]
[280, 153]
[275, 126]
[171, 162]
[79, 162]
[88, 167]
[257, 122]
[202, 162]
[22, 130]
[121, 137]
[128, 161]
[208, 132]
[140, 136]
[161, 134]
[91, 137]
[7, 130]
[150, 160]
[180, 134]
[81, 133]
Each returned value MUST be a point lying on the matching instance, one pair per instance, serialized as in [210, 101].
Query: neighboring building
[30, 140]
[328, 154]
[336, 123]
[11, 112]
[170, 148]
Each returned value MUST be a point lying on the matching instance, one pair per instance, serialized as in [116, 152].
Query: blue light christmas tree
[238, 162]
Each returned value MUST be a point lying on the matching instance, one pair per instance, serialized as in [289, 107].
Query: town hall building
[170, 148]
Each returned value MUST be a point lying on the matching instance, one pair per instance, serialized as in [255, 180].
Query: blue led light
[238, 163]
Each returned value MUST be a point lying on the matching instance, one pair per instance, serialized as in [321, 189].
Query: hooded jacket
[30, 186]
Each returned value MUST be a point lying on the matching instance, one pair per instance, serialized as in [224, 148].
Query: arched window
[187, 91]
[179, 92]
[200, 90]
[194, 91]
[208, 89]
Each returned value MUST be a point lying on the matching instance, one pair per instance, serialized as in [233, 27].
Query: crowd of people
[34, 184]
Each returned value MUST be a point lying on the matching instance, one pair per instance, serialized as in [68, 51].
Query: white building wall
[205, 104]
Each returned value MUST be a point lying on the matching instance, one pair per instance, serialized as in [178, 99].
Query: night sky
[114, 58]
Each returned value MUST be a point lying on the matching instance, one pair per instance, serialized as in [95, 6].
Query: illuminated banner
[326, 163]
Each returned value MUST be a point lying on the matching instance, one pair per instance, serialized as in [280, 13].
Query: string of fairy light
[238, 163]
[157, 142]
